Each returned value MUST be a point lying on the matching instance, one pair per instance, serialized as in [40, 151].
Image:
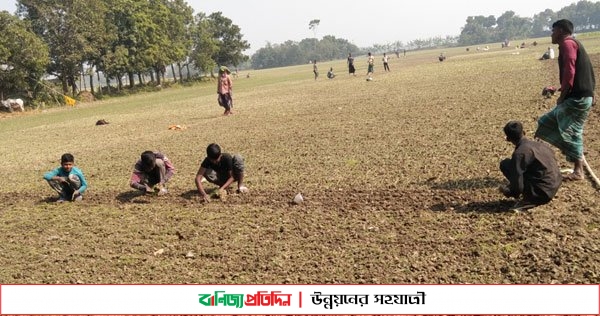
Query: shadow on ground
[464, 184]
[500, 206]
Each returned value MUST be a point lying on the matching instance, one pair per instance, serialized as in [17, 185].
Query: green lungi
[563, 126]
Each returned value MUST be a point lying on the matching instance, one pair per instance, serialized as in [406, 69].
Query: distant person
[405, 52]
[221, 169]
[563, 125]
[351, 69]
[532, 172]
[67, 180]
[315, 69]
[549, 54]
[397, 54]
[370, 65]
[225, 90]
[386, 66]
[330, 74]
[152, 172]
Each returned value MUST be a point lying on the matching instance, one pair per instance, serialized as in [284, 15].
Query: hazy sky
[363, 23]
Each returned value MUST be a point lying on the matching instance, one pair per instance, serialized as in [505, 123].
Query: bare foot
[573, 177]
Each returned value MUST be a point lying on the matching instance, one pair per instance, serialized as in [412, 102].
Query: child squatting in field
[67, 180]
[152, 172]
[221, 169]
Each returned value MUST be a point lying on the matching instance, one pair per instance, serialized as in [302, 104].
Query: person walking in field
[563, 125]
[351, 69]
[225, 90]
[67, 180]
[152, 172]
[221, 169]
[532, 171]
[386, 66]
[315, 69]
[370, 65]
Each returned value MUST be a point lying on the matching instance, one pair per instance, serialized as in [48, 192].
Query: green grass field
[399, 176]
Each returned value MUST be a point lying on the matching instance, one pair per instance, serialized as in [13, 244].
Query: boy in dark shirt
[532, 171]
[221, 169]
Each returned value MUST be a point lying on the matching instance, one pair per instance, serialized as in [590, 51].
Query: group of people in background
[352, 68]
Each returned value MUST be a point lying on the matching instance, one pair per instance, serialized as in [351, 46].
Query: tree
[68, 28]
[511, 26]
[313, 24]
[23, 57]
[294, 53]
[479, 29]
[143, 36]
[230, 40]
[542, 22]
[204, 45]
[181, 19]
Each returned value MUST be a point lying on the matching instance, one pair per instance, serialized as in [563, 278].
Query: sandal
[522, 205]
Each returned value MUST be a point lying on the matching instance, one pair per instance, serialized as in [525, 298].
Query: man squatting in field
[532, 171]
[153, 169]
[563, 125]
[221, 169]
[67, 180]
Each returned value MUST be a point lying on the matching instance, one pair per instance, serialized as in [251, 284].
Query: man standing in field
[351, 69]
[563, 125]
[386, 66]
[532, 171]
[370, 64]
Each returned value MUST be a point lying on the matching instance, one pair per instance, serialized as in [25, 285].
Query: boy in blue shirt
[67, 180]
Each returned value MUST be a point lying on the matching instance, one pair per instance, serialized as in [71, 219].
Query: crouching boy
[221, 169]
[152, 172]
[67, 180]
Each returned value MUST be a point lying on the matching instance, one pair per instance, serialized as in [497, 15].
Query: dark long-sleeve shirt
[533, 169]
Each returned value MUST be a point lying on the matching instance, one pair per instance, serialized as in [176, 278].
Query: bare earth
[399, 177]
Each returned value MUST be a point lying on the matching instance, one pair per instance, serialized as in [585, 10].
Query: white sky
[363, 23]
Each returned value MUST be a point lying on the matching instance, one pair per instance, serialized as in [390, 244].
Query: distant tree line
[584, 14]
[295, 53]
[135, 39]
